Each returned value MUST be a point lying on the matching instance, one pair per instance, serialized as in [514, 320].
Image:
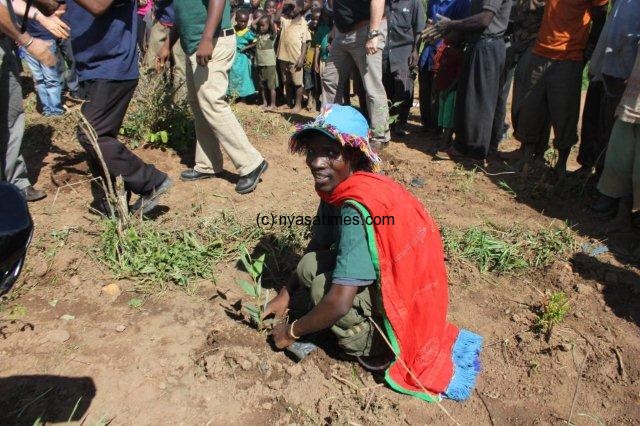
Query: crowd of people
[357, 276]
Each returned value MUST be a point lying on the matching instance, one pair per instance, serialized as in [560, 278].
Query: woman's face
[270, 7]
[327, 162]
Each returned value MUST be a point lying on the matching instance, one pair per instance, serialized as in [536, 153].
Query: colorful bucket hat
[343, 124]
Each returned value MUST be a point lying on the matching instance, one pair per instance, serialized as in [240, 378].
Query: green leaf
[136, 302]
[252, 309]
[164, 136]
[248, 288]
[258, 265]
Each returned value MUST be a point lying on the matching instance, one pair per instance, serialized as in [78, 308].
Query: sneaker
[31, 194]
[249, 182]
[146, 203]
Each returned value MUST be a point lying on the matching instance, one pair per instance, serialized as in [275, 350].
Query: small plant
[254, 288]
[463, 177]
[551, 312]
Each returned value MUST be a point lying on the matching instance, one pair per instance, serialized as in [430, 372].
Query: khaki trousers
[347, 52]
[214, 121]
[355, 334]
[157, 37]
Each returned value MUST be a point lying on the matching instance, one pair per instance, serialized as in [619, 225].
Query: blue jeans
[48, 83]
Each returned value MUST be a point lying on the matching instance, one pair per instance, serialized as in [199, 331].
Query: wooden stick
[435, 397]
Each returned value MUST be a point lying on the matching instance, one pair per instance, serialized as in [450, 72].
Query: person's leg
[482, 90]
[12, 166]
[501, 107]
[38, 81]
[106, 106]
[635, 173]
[297, 77]
[533, 111]
[613, 90]
[616, 178]
[370, 69]
[355, 334]
[337, 69]
[403, 82]
[179, 64]
[565, 83]
[53, 86]
[69, 65]
[590, 132]
[210, 84]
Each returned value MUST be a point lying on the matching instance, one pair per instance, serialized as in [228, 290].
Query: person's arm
[303, 54]
[53, 23]
[598, 19]
[95, 7]
[36, 47]
[316, 59]
[333, 306]
[376, 12]
[214, 16]
[418, 27]
[278, 15]
[249, 46]
[165, 50]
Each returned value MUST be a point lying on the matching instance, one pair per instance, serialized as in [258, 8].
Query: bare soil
[70, 351]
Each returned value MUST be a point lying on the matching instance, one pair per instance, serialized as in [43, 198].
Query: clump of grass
[157, 117]
[157, 256]
[493, 250]
[552, 311]
[464, 178]
[263, 125]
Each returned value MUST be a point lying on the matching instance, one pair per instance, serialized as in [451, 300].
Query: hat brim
[296, 137]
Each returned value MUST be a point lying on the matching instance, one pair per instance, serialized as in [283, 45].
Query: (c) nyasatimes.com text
[270, 220]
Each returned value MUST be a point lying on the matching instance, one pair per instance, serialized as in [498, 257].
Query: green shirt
[191, 16]
[321, 38]
[344, 230]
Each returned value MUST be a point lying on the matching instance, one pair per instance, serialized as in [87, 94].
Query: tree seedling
[552, 312]
[254, 288]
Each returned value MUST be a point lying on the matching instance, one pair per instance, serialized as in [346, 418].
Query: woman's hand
[281, 337]
[278, 306]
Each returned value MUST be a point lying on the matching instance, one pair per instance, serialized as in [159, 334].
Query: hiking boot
[249, 182]
[146, 203]
[31, 194]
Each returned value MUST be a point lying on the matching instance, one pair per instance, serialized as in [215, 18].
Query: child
[448, 59]
[308, 72]
[292, 49]
[320, 45]
[240, 81]
[266, 61]
[270, 7]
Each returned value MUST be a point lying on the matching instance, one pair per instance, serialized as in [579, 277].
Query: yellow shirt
[294, 32]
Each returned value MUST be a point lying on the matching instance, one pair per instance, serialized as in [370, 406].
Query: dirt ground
[70, 351]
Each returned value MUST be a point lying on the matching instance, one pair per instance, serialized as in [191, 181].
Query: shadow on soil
[50, 399]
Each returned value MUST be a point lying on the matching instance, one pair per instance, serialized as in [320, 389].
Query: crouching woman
[375, 265]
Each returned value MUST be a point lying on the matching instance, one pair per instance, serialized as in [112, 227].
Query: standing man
[208, 40]
[12, 166]
[360, 36]
[400, 57]
[554, 76]
[481, 77]
[103, 37]
[163, 20]
[609, 69]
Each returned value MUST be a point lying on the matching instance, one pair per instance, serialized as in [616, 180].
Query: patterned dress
[240, 81]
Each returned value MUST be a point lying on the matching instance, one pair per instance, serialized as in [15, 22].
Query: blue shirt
[104, 46]
[617, 46]
[35, 29]
[164, 13]
[453, 9]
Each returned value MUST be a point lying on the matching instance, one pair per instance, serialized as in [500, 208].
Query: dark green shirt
[191, 16]
[343, 229]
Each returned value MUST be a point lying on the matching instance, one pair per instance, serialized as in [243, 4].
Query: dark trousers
[428, 99]
[399, 87]
[598, 117]
[551, 91]
[520, 85]
[501, 108]
[106, 105]
[478, 90]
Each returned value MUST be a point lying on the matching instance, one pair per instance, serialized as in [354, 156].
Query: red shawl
[409, 259]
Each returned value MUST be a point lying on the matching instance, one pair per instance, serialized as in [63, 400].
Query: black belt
[224, 33]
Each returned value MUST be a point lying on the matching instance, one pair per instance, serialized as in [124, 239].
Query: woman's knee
[307, 269]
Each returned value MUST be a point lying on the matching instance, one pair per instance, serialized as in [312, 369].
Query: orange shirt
[565, 29]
